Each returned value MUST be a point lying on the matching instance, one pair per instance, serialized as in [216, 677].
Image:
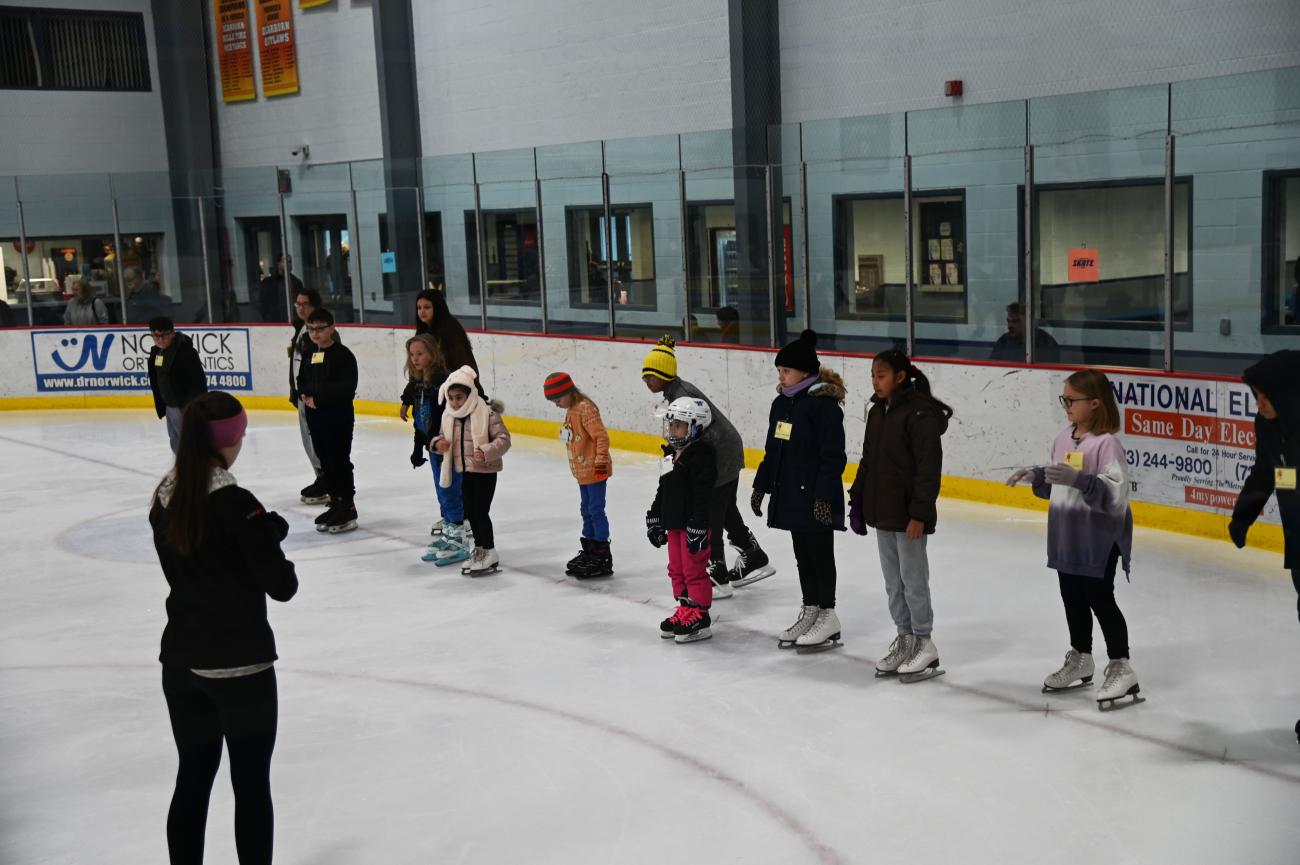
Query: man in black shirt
[175, 374]
[1011, 345]
[327, 382]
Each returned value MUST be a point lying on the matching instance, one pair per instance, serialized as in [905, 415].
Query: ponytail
[195, 456]
[900, 362]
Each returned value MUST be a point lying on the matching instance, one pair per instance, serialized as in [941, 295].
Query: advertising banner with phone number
[117, 359]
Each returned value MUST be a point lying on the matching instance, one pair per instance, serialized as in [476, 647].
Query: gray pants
[173, 417]
[907, 581]
[306, 438]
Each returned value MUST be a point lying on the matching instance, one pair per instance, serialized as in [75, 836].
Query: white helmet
[692, 411]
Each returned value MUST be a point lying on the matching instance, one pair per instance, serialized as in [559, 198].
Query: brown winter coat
[588, 443]
[902, 462]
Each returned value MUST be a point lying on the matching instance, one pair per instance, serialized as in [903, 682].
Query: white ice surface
[526, 717]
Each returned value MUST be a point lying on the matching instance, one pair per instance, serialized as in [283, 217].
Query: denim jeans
[173, 426]
[595, 525]
[451, 501]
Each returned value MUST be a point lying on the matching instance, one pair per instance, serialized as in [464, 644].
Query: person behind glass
[425, 373]
[327, 383]
[728, 324]
[432, 316]
[587, 444]
[1011, 345]
[679, 517]
[659, 373]
[176, 374]
[802, 468]
[84, 308]
[895, 492]
[143, 297]
[474, 435]
[271, 292]
[219, 549]
[300, 348]
[1089, 532]
[1276, 383]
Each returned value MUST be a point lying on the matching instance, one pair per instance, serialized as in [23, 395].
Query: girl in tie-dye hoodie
[1089, 532]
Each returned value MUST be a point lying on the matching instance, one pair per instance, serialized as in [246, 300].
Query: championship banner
[113, 359]
[276, 48]
[234, 51]
[312, 4]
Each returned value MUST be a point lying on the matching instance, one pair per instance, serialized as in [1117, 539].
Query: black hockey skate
[338, 519]
[693, 623]
[721, 579]
[596, 561]
[751, 564]
[315, 493]
[580, 560]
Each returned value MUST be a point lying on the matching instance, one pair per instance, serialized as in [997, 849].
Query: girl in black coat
[895, 493]
[802, 469]
[220, 552]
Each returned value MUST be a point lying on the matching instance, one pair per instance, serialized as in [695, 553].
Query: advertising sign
[115, 359]
[1085, 265]
[234, 50]
[276, 47]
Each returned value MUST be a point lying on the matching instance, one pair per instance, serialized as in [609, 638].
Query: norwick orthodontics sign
[111, 359]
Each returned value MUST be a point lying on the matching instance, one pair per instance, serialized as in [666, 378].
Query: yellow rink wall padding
[1164, 517]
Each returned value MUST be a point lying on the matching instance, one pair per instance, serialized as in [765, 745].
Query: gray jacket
[724, 438]
[78, 313]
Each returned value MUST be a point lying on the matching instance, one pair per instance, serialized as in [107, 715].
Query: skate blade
[705, 634]
[1048, 689]
[579, 576]
[314, 500]
[886, 674]
[483, 572]
[721, 594]
[349, 526]
[784, 644]
[818, 648]
[913, 678]
[1132, 698]
[322, 528]
[761, 574]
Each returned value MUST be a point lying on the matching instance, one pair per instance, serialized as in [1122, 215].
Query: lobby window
[509, 255]
[1282, 251]
[629, 246]
[61, 49]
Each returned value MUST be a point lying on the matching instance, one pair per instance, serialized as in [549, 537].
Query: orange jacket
[587, 443]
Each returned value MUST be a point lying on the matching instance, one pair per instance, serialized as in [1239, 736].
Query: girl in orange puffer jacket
[587, 442]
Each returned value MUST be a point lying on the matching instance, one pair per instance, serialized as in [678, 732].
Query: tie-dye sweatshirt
[1087, 520]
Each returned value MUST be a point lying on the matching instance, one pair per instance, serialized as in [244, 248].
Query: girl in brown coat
[587, 442]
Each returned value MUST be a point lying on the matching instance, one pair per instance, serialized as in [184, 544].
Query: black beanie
[801, 354]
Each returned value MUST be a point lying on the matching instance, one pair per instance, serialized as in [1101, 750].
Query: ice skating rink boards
[525, 717]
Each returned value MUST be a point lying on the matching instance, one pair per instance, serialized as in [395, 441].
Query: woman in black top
[220, 552]
[434, 318]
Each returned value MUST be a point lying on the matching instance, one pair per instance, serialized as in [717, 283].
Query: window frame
[1270, 246]
[474, 278]
[569, 209]
[34, 16]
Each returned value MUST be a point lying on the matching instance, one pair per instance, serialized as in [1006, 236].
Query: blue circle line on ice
[823, 853]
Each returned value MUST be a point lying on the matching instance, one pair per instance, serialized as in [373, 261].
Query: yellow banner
[276, 48]
[234, 50]
[311, 4]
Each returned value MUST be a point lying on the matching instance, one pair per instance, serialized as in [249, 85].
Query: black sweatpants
[331, 438]
[1295, 581]
[1085, 597]
[478, 488]
[723, 514]
[243, 712]
[814, 554]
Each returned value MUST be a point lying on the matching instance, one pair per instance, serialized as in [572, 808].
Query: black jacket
[417, 395]
[330, 377]
[179, 378]
[216, 610]
[1277, 445]
[809, 465]
[902, 460]
[302, 341]
[686, 491]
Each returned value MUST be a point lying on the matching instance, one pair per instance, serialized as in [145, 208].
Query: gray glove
[1061, 475]
[1019, 475]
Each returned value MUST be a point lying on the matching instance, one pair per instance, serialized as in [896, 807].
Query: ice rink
[528, 718]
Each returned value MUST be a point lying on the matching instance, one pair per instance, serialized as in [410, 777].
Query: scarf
[801, 386]
[473, 407]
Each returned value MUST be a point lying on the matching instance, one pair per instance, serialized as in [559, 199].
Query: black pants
[331, 438]
[1087, 596]
[1295, 581]
[243, 712]
[723, 514]
[478, 488]
[814, 554]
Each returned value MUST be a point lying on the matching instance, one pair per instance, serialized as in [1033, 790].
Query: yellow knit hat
[661, 362]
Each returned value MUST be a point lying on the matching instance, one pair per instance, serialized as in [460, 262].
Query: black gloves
[696, 537]
[756, 502]
[822, 512]
[280, 523]
[417, 457]
[654, 531]
[1237, 531]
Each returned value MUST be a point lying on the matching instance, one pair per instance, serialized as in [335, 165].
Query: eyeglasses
[317, 328]
[300, 304]
[1067, 401]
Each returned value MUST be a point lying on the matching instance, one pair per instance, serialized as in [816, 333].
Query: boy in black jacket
[327, 382]
[175, 374]
[679, 517]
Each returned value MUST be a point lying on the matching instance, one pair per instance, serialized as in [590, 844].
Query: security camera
[303, 150]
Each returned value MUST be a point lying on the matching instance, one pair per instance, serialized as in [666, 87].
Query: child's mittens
[1019, 475]
[756, 502]
[1237, 531]
[696, 537]
[857, 521]
[601, 470]
[654, 530]
[1061, 474]
[822, 512]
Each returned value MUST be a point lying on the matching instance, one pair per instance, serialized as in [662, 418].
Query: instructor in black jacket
[175, 374]
[220, 552]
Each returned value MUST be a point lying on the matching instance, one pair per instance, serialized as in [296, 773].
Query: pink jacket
[462, 447]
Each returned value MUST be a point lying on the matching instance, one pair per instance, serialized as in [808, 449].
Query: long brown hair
[1093, 384]
[195, 456]
[431, 346]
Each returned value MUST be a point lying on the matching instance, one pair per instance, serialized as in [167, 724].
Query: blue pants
[595, 526]
[450, 500]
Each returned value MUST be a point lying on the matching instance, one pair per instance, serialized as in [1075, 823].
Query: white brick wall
[495, 74]
[843, 58]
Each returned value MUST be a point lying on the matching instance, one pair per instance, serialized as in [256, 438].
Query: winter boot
[1076, 672]
[751, 563]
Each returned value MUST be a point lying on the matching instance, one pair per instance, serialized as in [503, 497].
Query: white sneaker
[924, 656]
[825, 630]
[899, 651]
[1120, 681]
[1076, 672]
[807, 615]
[483, 562]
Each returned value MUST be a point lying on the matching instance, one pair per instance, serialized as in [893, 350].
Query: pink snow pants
[689, 571]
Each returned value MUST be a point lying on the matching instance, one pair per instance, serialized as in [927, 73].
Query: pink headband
[227, 431]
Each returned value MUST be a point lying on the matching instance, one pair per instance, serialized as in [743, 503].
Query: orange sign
[275, 47]
[1084, 265]
[234, 50]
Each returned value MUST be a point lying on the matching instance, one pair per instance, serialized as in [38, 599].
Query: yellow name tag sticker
[1074, 459]
[783, 430]
[318, 357]
[1284, 479]
[158, 361]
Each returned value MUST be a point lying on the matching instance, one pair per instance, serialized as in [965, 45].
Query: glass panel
[577, 286]
[13, 308]
[968, 164]
[1237, 144]
[320, 247]
[857, 264]
[249, 247]
[790, 264]
[1100, 249]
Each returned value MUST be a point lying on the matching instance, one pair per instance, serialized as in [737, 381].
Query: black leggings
[1085, 596]
[814, 554]
[243, 711]
[723, 514]
[478, 488]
